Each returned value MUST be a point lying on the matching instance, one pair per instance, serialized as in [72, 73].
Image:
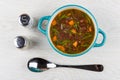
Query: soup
[72, 31]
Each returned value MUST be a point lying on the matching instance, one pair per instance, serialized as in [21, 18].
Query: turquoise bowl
[50, 18]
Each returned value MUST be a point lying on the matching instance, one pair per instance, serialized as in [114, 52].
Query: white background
[13, 61]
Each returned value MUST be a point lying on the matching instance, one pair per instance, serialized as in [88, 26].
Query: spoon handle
[94, 67]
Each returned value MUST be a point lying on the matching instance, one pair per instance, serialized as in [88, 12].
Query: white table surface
[13, 61]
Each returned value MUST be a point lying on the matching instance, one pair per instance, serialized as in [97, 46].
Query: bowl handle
[40, 27]
[104, 39]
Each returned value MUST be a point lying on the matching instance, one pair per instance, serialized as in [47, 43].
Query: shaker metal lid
[24, 19]
[20, 42]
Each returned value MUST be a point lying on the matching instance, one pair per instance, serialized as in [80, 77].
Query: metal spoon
[39, 65]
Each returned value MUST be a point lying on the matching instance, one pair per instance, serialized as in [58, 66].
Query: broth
[72, 31]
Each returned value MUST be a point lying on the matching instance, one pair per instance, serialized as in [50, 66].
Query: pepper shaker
[21, 42]
[26, 20]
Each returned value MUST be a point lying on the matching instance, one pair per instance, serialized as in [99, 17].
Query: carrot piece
[68, 14]
[89, 29]
[75, 44]
[61, 47]
[71, 22]
[54, 22]
[54, 38]
[73, 31]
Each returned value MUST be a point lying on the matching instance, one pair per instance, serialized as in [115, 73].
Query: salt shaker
[26, 20]
[21, 42]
